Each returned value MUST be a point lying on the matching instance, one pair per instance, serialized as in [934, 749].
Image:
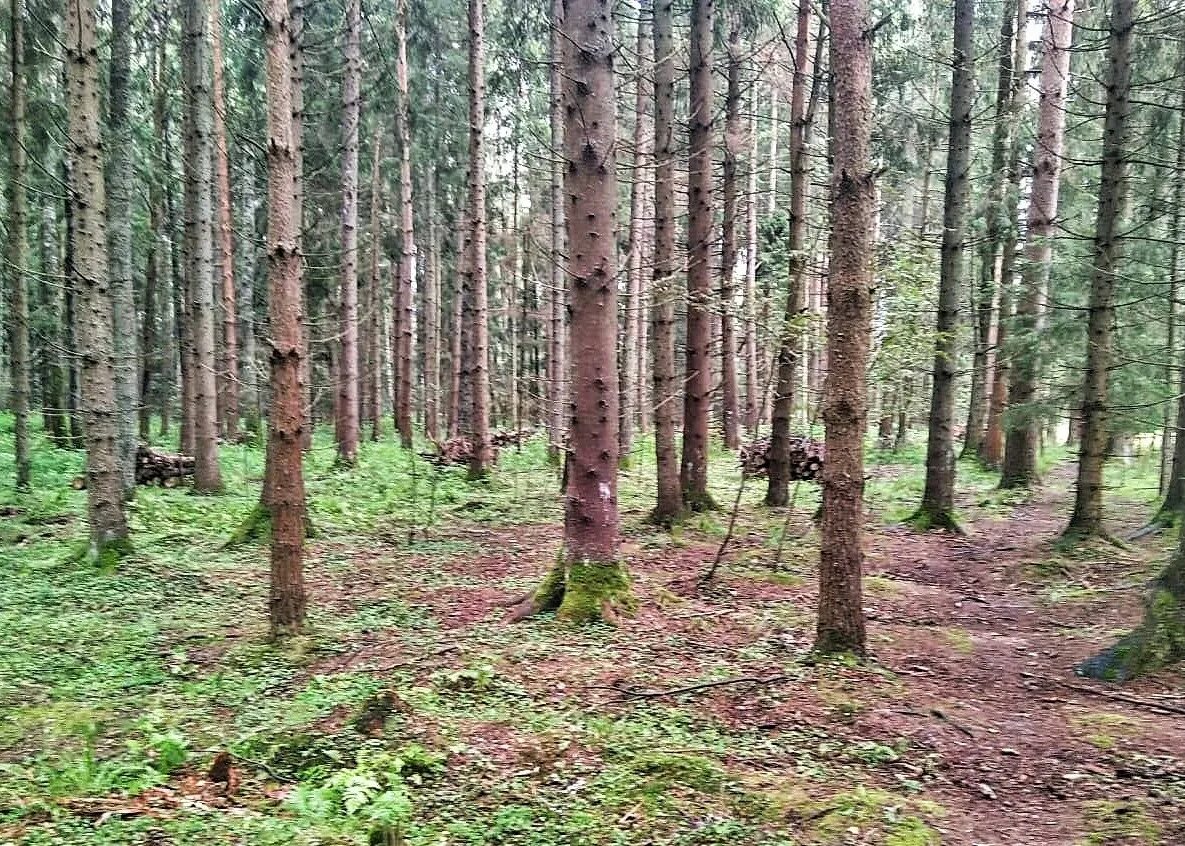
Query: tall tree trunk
[150, 357]
[697, 396]
[845, 393]
[790, 344]
[283, 478]
[229, 383]
[118, 142]
[195, 68]
[407, 256]
[590, 583]
[938, 497]
[55, 403]
[1087, 518]
[752, 351]
[998, 219]
[347, 385]
[669, 504]
[643, 134]
[432, 318]
[296, 71]
[557, 369]
[1022, 433]
[70, 274]
[775, 130]
[374, 353]
[156, 357]
[456, 355]
[248, 258]
[17, 247]
[728, 248]
[95, 344]
[475, 266]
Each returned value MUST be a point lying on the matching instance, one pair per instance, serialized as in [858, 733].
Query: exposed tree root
[580, 592]
[1159, 640]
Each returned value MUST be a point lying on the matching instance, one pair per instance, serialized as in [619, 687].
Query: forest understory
[147, 705]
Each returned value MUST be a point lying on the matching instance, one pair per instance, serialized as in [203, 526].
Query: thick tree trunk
[937, 509]
[643, 135]
[845, 394]
[475, 266]
[1023, 430]
[407, 244]
[195, 68]
[590, 583]
[283, 494]
[1087, 518]
[347, 386]
[697, 385]
[669, 505]
[728, 248]
[557, 368]
[790, 343]
[229, 386]
[95, 344]
[118, 142]
[18, 317]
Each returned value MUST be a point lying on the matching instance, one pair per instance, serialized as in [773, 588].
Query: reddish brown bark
[284, 481]
[407, 244]
[348, 381]
[229, 383]
[728, 247]
[845, 393]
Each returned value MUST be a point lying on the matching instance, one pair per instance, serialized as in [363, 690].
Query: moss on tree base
[581, 592]
[925, 520]
[257, 526]
[1158, 642]
[105, 555]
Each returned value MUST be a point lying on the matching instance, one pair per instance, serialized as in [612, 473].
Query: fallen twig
[695, 688]
[1121, 697]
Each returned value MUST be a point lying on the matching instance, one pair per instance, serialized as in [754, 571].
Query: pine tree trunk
[790, 344]
[407, 257]
[557, 368]
[728, 248]
[669, 505]
[1022, 434]
[18, 316]
[229, 386]
[697, 385]
[643, 134]
[1087, 518]
[55, 403]
[938, 497]
[296, 72]
[89, 268]
[374, 353]
[432, 318]
[150, 357]
[283, 479]
[347, 384]
[845, 394]
[752, 352]
[195, 69]
[248, 258]
[118, 143]
[475, 266]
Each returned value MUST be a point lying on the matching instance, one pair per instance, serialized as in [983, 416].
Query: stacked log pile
[806, 458]
[459, 450]
[154, 467]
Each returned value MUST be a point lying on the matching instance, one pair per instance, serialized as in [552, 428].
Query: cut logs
[155, 468]
[459, 450]
[806, 458]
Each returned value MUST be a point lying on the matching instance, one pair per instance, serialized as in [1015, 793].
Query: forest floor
[146, 706]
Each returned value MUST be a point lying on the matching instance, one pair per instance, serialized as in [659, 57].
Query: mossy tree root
[925, 520]
[257, 526]
[580, 592]
[105, 555]
[1158, 642]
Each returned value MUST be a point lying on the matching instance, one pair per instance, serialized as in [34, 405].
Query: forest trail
[969, 717]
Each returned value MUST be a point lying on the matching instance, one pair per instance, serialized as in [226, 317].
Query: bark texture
[845, 392]
[557, 370]
[1022, 433]
[697, 384]
[229, 383]
[937, 509]
[730, 423]
[283, 495]
[108, 536]
[18, 317]
[669, 504]
[347, 398]
[1087, 518]
[407, 243]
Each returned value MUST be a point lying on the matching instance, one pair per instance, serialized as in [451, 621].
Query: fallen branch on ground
[626, 693]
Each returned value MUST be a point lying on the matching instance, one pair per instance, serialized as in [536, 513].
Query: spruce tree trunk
[728, 247]
[697, 384]
[229, 383]
[374, 353]
[432, 318]
[849, 318]
[248, 368]
[1023, 431]
[89, 268]
[283, 478]
[150, 358]
[669, 505]
[557, 368]
[195, 70]
[55, 404]
[752, 352]
[1174, 485]
[937, 509]
[407, 256]
[18, 316]
[790, 342]
[296, 73]
[475, 266]
[347, 385]
[156, 351]
[643, 134]
[70, 273]
[118, 143]
[1087, 518]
